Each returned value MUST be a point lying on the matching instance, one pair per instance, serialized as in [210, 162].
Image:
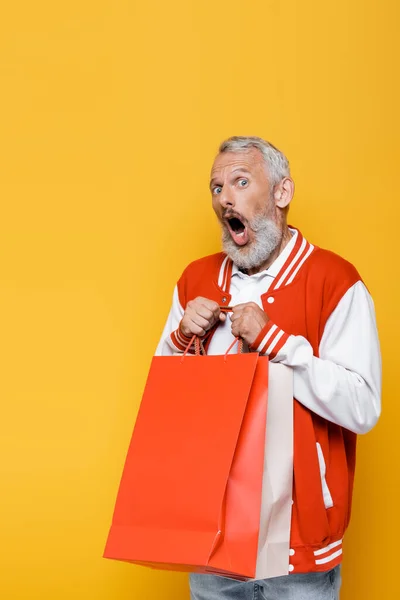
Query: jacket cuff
[270, 340]
[179, 340]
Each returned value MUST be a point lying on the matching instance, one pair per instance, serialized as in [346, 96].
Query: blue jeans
[307, 586]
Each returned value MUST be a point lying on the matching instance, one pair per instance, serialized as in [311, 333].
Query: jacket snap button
[270, 300]
[224, 300]
[291, 552]
[291, 568]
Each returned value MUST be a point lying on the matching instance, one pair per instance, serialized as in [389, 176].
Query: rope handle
[237, 339]
[199, 348]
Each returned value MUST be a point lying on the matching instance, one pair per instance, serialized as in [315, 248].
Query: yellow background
[110, 115]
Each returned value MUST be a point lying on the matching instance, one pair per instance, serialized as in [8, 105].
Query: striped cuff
[179, 340]
[270, 340]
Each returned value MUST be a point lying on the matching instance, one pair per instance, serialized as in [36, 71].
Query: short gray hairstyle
[276, 162]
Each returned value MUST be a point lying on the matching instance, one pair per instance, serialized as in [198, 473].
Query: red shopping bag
[190, 493]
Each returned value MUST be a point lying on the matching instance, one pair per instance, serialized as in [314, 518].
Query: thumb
[222, 317]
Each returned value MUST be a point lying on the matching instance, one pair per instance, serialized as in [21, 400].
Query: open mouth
[238, 231]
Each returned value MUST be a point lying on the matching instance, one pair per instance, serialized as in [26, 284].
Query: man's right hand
[200, 315]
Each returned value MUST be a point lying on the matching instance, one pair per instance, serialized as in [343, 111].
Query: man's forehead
[248, 160]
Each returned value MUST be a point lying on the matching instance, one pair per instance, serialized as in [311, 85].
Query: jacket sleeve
[343, 385]
[172, 340]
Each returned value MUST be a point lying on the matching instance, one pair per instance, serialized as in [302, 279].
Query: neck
[286, 237]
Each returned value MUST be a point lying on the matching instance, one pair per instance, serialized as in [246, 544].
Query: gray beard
[268, 236]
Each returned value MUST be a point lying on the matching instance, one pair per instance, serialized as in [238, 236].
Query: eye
[243, 182]
[217, 190]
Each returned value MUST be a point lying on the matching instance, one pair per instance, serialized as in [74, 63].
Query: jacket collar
[284, 269]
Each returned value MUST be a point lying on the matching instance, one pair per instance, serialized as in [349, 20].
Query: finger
[200, 321]
[195, 308]
[235, 316]
[222, 317]
[205, 312]
[211, 306]
[235, 330]
[252, 305]
[196, 329]
[238, 309]
[207, 308]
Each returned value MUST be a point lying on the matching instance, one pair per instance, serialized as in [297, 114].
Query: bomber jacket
[322, 325]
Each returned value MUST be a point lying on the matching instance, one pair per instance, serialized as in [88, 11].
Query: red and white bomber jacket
[322, 325]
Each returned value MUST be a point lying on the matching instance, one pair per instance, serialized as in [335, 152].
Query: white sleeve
[172, 340]
[343, 385]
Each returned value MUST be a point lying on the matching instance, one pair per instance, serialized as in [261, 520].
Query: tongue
[240, 238]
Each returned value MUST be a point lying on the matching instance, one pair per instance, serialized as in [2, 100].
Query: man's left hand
[247, 321]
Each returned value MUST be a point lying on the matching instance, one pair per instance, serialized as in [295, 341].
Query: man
[306, 308]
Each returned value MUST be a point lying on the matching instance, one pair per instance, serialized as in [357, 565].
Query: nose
[226, 198]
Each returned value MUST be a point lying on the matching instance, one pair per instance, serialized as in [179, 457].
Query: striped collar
[284, 269]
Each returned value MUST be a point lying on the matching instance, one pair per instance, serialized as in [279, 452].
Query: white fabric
[276, 500]
[343, 385]
[165, 346]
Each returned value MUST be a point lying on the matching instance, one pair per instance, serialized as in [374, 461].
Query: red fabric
[302, 307]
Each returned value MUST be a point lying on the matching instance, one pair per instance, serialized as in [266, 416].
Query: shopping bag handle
[199, 348]
[236, 340]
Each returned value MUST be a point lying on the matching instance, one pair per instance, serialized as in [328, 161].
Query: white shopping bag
[276, 506]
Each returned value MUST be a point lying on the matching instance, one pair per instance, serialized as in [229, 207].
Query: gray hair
[276, 162]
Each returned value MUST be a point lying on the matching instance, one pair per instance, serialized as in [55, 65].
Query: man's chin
[240, 255]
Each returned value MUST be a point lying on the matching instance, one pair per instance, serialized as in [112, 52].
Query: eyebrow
[238, 170]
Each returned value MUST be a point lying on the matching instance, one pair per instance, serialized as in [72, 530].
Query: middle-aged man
[306, 308]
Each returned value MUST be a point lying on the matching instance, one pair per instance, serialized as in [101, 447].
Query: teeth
[240, 234]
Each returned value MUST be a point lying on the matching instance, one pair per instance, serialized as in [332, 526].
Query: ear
[284, 192]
